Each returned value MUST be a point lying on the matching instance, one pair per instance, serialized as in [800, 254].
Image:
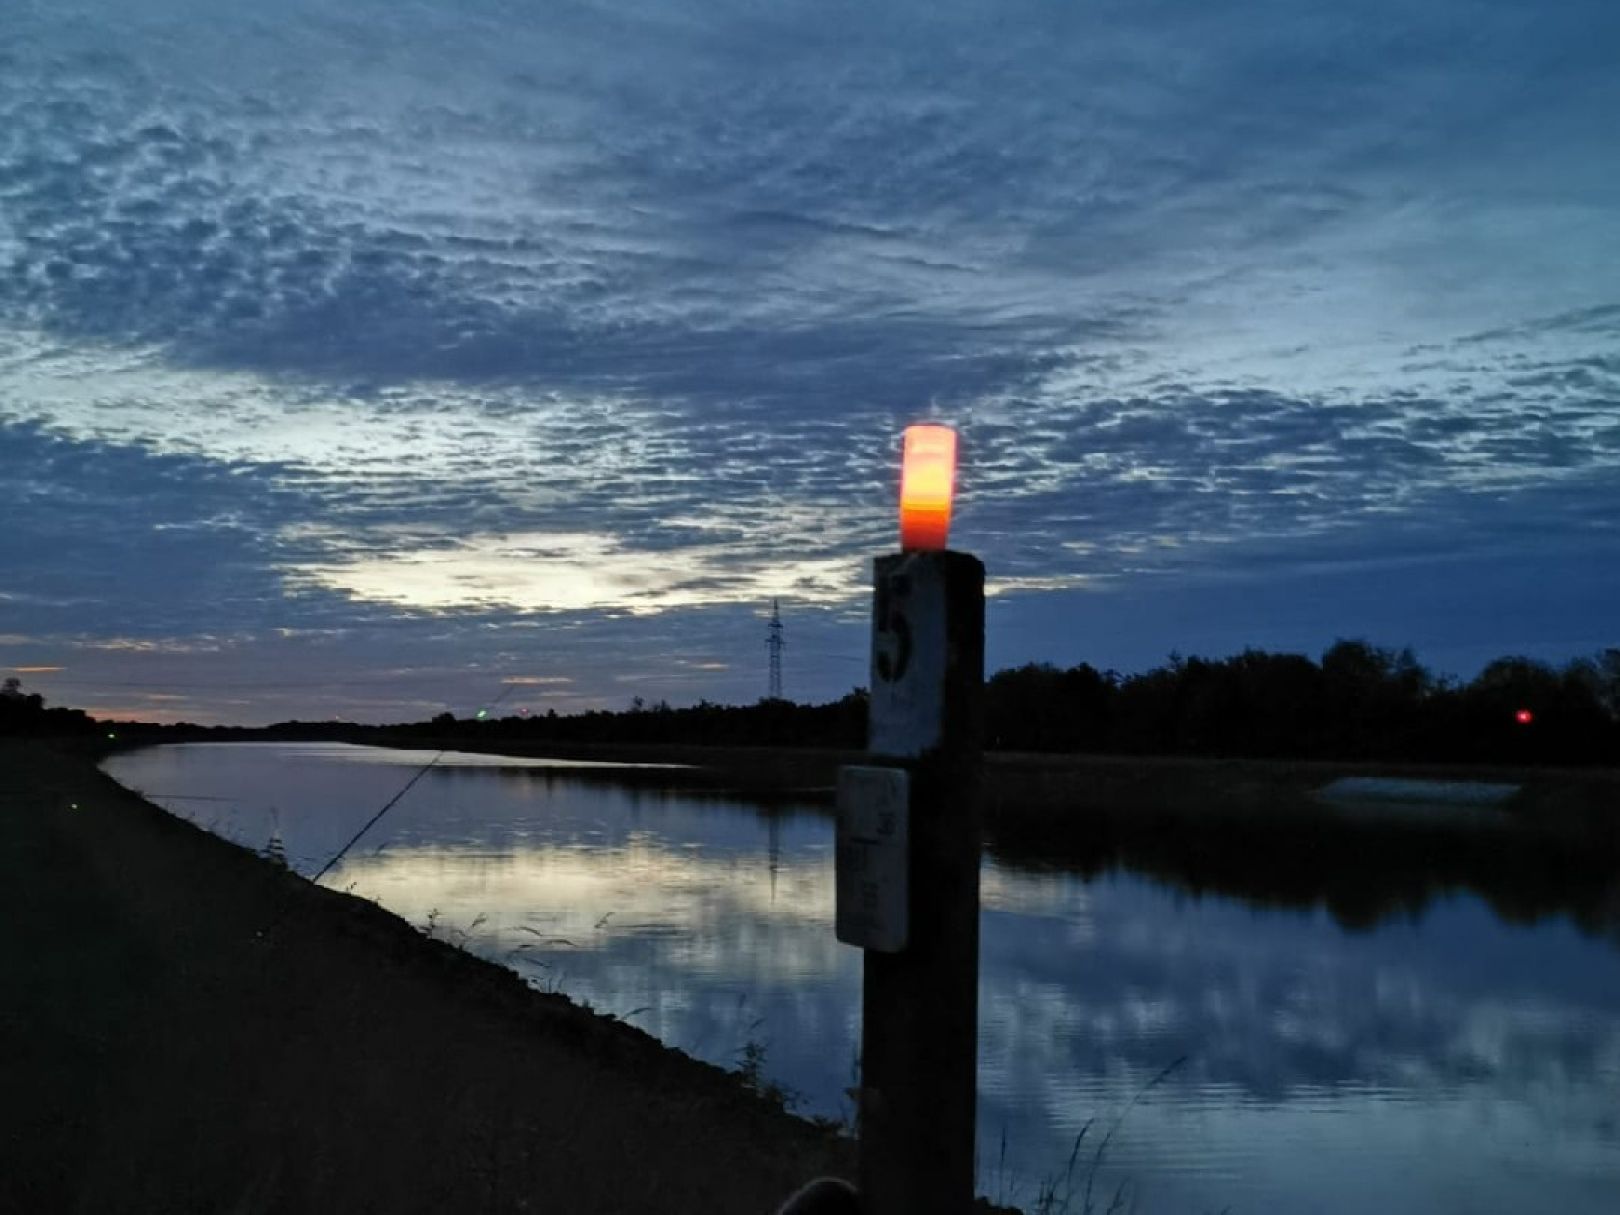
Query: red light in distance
[1524, 717]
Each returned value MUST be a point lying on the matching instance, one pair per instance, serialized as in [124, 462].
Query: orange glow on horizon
[927, 480]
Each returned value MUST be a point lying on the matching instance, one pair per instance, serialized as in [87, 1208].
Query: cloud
[103, 534]
[561, 572]
[336, 307]
[701, 216]
[171, 574]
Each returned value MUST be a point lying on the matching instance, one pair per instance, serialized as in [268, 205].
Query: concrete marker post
[908, 882]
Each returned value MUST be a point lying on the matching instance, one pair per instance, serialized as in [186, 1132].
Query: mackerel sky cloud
[357, 358]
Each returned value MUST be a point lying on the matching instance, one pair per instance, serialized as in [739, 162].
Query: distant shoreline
[1023, 776]
[1559, 799]
[1580, 804]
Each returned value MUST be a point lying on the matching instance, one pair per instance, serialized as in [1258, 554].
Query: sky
[367, 358]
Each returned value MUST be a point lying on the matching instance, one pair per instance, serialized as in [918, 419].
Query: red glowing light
[927, 479]
[1524, 717]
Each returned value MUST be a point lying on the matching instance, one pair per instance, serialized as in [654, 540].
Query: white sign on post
[872, 864]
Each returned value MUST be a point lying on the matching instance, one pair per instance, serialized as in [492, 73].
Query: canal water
[1221, 1056]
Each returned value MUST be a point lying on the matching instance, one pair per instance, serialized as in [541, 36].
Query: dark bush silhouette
[24, 713]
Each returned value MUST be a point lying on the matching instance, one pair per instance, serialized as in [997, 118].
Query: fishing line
[265, 934]
[393, 801]
[386, 807]
[370, 822]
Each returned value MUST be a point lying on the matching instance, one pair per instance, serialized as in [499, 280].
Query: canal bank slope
[187, 1027]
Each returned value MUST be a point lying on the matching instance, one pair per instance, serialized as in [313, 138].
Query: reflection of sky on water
[1457, 1063]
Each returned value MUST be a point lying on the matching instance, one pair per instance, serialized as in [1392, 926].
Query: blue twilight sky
[370, 358]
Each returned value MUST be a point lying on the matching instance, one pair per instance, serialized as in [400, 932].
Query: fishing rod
[406, 788]
[373, 820]
[386, 807]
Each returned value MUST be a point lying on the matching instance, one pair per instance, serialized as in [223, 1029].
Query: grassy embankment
[188, 1028]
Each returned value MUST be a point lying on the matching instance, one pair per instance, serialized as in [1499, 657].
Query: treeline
[770, 723]
[1357, 702]
[25, 714]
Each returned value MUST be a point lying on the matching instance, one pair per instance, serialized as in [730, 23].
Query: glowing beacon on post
[927, 480]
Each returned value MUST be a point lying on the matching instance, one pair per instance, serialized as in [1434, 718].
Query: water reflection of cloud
[708, 952]
[1252, 1008]
[715, 912]
[1007, 890]
[1122, 997]
[406, 757]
